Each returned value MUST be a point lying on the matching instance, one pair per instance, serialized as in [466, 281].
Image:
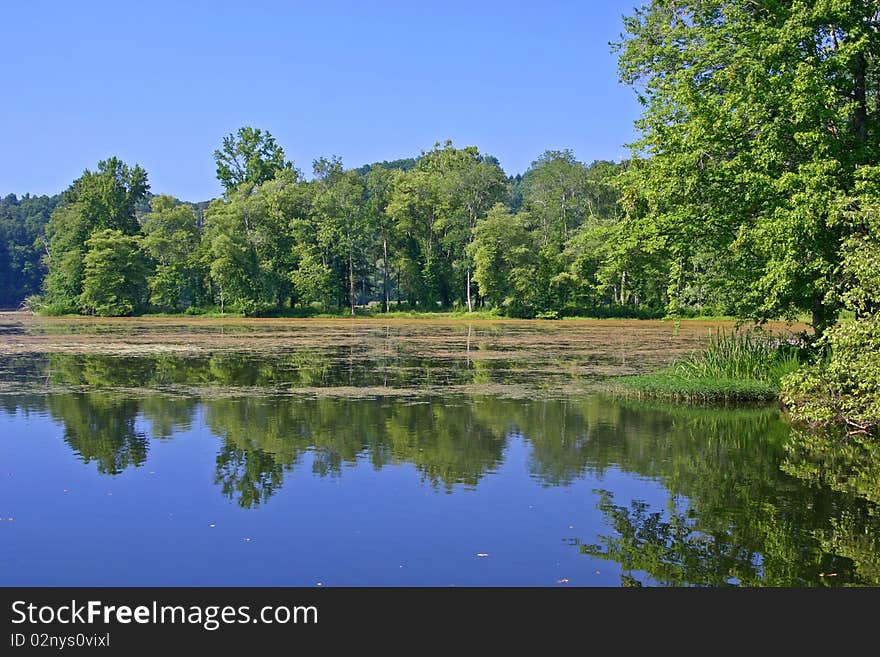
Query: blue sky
[160, 83]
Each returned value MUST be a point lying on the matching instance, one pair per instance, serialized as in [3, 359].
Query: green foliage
[844, 386]
[757, 116]
[732, 367]
[503, 258]
[106, 199]
[22, 227]
[247, 244]
[249, 156]
[114, 274]
[436, 207]
[171, 240]
[340, 210]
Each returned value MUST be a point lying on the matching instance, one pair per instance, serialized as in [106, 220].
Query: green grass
[663, 385]
[733, 367]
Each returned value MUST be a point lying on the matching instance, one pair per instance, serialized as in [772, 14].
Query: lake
[367, 452]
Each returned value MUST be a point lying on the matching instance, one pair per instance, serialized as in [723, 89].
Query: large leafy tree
[249, 156]
[171, 239]
[555, 192]
[757, 115]
[378, 191]
[114, 274]
[435, 207]
[504, 260]
[843, 388]
[105, 199]
[248, 243]
[339, 207]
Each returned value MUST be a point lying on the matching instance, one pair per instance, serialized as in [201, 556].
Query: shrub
[843, 387]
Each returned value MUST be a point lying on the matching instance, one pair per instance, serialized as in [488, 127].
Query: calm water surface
[363, 453]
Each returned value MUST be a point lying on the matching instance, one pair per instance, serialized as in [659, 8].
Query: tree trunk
[385, 272]
[820, 317]
[860, 115]
[470, 305]
[351, 281]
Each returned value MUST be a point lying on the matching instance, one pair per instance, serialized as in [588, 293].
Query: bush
[843, 387]
[57, 309]
[33, 304]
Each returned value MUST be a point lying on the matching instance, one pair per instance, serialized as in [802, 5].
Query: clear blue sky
[160, 83]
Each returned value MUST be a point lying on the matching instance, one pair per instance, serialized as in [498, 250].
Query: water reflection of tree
[850, 465]
[446, 442]
[744, 520]
[249, 476]
[304, 368]
[101, 428]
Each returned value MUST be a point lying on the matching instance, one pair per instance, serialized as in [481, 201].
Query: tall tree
[555, 193]
[436, 207]
[114, 274]
[249, 156]
[378, 188]
[504, 259]
[105, 199]
[339, 204]
[757, 115]
[171, 239]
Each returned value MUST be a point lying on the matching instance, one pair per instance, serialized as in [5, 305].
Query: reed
[733, 366]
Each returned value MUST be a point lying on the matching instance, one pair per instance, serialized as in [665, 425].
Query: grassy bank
[376, 313]
[733, 367]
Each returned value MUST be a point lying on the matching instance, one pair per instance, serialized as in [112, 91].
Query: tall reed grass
[733, 366]
[742, 356]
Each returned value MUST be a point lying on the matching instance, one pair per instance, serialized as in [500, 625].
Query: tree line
[448, 229]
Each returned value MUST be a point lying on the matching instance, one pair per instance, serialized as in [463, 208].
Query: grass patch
[732, 367]
[703, 389]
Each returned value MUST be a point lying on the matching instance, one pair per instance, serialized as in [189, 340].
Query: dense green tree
[171, 240]
[436, 206]
[470, 184]
[249, 156]
[339, 205]
[248, 244]
[378, 189]
[757, 116]
[555, 193]
[114, 274]
[504, 259]
[843, 386]
[105, 199]
[22, 228]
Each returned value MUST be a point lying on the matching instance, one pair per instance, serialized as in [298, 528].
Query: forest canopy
[419, 233]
